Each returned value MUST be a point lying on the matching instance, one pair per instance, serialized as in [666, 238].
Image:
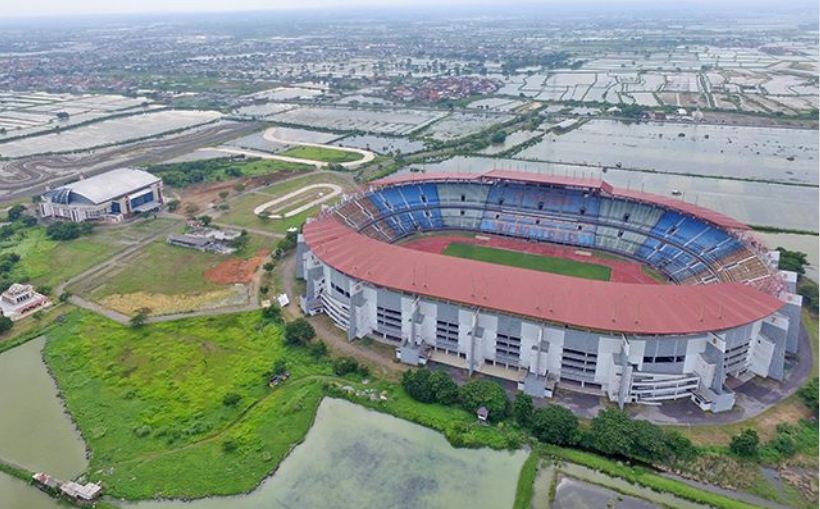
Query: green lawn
[162, 268]
[241, 213]
[213, 170]
[148, 402]
[327, 155]
[46, 262]
[529, 261]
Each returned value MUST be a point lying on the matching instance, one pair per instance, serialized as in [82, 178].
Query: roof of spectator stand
[627, 308]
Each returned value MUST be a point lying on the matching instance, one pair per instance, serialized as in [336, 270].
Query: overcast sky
[24, 8]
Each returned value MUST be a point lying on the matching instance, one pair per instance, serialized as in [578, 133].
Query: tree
[809, 394]
[172, 205]
[445, 390]
[241, 242]
[554, 424]
[138, 320]
[611, 432]
[268, 266]
[484, 393]
[794, 261]
[299, 332]
[67, 231]
[16, 212]
[417, 384]
[745, 444]
[498, 137]
[317, 349]
[5, 324]
[522, 409]
[346, 365]
[272, 313]
[205, 220]
[335, 167]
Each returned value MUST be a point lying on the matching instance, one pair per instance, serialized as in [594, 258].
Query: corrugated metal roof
[597, 305]
[111, 184]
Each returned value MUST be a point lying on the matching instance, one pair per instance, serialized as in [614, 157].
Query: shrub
[809, 394]
[347, 365]
[522, 409]
[172, 205]
[486, 393]
[416, 383]
[268, 266]
[68, 231]
[16, 212]
[139, 319]
[5, 324]
[299, 332]
[229, 445]
[317, 349]
[745, 444]
[555, 424]
[445, 390]
[272, 313]
[231, 399]
[279, 367]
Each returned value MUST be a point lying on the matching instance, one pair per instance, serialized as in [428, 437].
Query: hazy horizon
[52, 8]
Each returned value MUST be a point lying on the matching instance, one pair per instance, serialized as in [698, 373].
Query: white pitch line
[336, 191]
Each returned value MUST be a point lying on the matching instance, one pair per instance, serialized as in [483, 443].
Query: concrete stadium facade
[647, 344]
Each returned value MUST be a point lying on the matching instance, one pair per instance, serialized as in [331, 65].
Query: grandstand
[727, 315]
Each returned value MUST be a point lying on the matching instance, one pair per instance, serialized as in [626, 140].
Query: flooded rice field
[381, 144]
[574, 494]
[353, 458]
[782, 155]
[37, 434]
[513, 140]
[755, 203]
[108, 132]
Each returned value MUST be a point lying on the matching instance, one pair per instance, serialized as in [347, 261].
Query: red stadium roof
[597, 305]
[590, 183]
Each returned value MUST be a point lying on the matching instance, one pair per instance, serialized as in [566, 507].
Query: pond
[353, 458]
[37, 434]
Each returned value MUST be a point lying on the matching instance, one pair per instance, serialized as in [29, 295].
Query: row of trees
[68, 231]
[611, 432]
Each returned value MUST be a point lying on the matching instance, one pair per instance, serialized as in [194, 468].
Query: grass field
[327, 155]
[529, 261]
[149, 404]
[46, 262]
[214, 170]
[241, 213]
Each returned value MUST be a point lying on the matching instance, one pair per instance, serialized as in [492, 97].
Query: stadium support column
[355, 302]
[414, 316]
[626, 374]
[473, 326]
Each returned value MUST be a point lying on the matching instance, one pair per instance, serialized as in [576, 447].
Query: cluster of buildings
[446, 88]
[111, 196]
[79, 493]
[206, 239]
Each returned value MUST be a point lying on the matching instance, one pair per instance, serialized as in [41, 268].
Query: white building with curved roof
[112, 195]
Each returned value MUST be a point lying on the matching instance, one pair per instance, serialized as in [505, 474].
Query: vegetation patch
[324, 154]
[214, 170]
[555, 265]
[150, 401]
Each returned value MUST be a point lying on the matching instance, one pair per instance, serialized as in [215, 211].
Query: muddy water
[15, 494]
[35, 432]
[354, 458]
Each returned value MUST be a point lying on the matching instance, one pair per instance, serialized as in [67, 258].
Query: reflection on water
[356, 458]
[37, 433]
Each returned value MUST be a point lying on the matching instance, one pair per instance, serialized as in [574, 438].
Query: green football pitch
[529, 261]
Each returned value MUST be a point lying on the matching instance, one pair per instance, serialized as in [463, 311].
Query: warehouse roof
[111, 184]
[605, 306]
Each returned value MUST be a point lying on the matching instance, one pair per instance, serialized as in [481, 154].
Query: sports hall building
[725, 315]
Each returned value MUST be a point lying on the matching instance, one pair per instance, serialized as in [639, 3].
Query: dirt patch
[235, 270]
[203, 195]
[162, 304]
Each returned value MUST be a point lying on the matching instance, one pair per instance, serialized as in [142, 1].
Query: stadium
[554, 281]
